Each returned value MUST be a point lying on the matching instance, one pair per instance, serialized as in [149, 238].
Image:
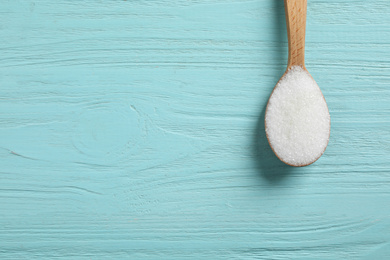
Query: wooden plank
[134, 129]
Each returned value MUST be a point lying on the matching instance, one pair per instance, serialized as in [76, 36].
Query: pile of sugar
[297, 119]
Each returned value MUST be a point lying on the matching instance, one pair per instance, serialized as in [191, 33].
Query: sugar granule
[297, 119]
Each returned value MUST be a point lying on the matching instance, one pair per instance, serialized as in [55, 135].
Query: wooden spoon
[296, 27]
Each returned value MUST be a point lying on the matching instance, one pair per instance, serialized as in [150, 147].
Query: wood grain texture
[134, 130]
[296, 29]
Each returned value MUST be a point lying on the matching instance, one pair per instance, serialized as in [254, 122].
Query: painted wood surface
[134, 130]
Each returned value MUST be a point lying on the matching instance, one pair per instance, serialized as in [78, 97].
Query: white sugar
[297, 119]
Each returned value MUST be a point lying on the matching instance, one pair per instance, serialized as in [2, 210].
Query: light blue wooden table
[134, 130]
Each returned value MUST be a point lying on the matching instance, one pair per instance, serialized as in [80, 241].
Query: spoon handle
[296, 28]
